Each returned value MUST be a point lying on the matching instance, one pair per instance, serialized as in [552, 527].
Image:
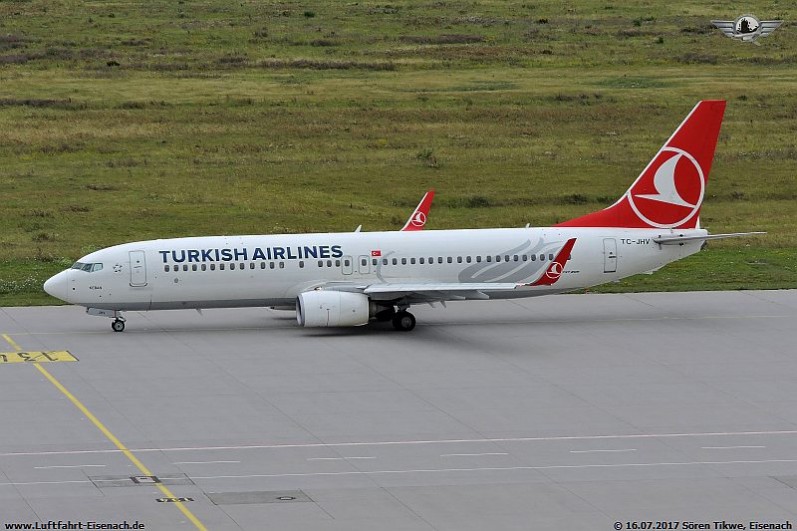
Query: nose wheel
[118, 325]
[403, 321]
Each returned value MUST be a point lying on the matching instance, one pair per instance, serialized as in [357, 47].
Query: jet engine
[332, 308]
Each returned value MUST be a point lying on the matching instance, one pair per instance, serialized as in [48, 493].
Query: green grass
[133, 121]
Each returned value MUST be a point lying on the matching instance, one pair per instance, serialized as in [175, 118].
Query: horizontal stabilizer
[672, 240]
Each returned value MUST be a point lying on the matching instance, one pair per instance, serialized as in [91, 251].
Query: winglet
[417, 220]
[556, 267]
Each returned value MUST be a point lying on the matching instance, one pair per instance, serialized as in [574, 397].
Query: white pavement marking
[474, 455]
[496, 469]
[338, 458]
[17, 483]
[66, 466]
[728, 447]
[201, 462]
[602, 451]
[412, 442]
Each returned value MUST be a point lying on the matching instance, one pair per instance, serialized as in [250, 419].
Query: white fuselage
[271, 270]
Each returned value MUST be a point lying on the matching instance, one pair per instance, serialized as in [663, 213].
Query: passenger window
[395, 261]
[478, 259]
[374, 261]
[459, 259]
[301, 264]
[488, 258]
[166, 268]
[550, 257]
[403, 261]
[346, 263]
[204, 267]
[534, 258]
[212, 267]
[251, 265]
[467, 259]
[337, 263]
[439, 259]
[384, 261]
[282, 265]
[232, 266]
[320, 263]
[525, 258]
[412, 261]
[271, 265]
[431, 260]
[421, 260]
[193, 267]
[185, 268]
[221, 267]
[497, 258]
[506, 258]
[542, 258]
[262, 265]
[329, 263]
[450, 259]
[516, 258]
[364, 262]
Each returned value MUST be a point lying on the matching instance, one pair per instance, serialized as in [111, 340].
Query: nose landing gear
[118, 324]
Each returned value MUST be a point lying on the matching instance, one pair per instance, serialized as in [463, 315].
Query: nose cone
[57, 286]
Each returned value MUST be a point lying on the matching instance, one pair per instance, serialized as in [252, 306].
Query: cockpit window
[89, 268]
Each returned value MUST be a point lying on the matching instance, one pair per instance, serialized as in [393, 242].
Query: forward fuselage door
[609, 255]
[138, 269]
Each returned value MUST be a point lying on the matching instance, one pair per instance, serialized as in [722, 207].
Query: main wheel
[118, 326]
[403, 321]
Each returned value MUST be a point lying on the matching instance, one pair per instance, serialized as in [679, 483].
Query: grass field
[125, 121]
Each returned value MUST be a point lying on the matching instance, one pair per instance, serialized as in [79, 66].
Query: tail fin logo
[419, 219]
[670, 190]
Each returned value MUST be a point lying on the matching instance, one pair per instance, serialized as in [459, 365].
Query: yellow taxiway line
[110, 436]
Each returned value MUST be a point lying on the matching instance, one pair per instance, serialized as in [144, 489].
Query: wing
[726, 26]
[768, 26]
[430, 291]
[440, 291]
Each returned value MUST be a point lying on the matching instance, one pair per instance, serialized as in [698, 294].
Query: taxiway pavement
[563, 412]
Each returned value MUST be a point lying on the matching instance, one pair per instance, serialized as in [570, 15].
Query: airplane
[351, 279]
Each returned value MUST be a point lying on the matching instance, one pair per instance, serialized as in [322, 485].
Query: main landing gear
[403, 321]
[118, 325]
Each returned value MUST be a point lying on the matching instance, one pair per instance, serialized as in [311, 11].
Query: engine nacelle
[332, 308]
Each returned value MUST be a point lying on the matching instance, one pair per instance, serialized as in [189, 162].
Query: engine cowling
[332, 308]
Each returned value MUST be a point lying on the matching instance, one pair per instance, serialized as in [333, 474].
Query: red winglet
[556, 268]
[419, 216]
